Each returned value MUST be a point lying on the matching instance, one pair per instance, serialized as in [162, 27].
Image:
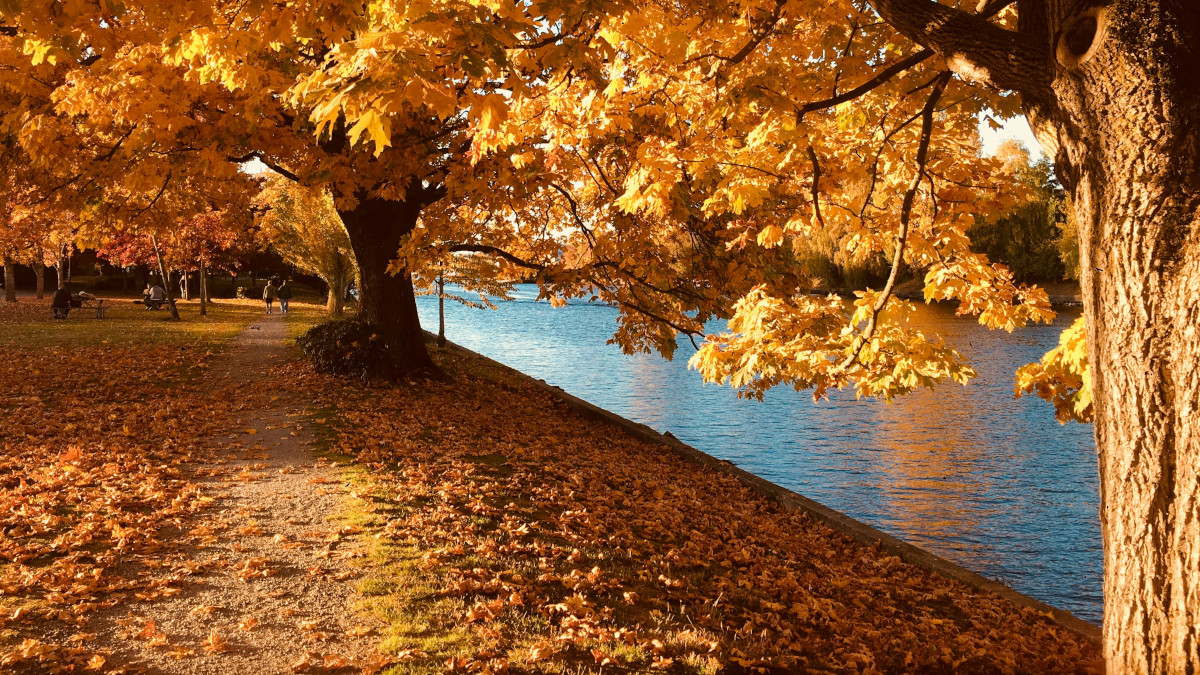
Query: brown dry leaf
[360, 631]
[96, 662]
[204, 610]
[540, 651]
[307, 662]
[373, 664]
[334, 662]
[248, 623]
[215, 644]
[254, 568]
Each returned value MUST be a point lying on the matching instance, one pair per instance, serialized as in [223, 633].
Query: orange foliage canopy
[681, 160]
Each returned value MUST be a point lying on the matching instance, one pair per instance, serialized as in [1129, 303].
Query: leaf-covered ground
[514, 535]
[476, 525]
[160, 511]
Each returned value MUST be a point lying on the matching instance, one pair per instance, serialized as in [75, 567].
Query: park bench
[151, 304]
[64, 312]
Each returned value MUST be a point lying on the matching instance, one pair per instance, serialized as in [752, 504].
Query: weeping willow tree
[302, 225]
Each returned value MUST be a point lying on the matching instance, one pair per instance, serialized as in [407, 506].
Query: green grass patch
[29, 324]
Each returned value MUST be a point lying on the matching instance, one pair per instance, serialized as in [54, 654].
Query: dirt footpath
[268, 577]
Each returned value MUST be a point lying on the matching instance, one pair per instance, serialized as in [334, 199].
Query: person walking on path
[269, 294]
[285, 295]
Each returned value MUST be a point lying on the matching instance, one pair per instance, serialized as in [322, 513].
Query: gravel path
[269, 577]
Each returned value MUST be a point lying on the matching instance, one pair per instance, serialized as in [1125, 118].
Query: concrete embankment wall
[837, 521]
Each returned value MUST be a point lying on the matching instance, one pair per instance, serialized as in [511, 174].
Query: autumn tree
[1113, 93]
[878, 128]
[297, 86]
[34, 229]
[196, 242]
[1029, 240]
[303, 226]
[739, 128]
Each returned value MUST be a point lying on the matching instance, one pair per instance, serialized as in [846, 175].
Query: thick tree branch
[270, 165]
[880, 78]
[498, 252]
[974, 47]
[431, 194]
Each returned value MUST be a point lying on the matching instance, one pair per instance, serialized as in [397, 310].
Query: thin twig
[902, 234]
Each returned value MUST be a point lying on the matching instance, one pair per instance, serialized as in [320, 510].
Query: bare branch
[757, 35]
[905, 216]
[498, 252]
[154, 201]
[270, 165]
[816, 184]
[880, 78]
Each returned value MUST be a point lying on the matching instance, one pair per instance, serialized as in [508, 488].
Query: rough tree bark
[1124, 122]
[39, 271]
[10, 280]
[1112, 90]
[376, 228]
[338, 284]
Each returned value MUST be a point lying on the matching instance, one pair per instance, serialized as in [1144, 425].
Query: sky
[1016, 129]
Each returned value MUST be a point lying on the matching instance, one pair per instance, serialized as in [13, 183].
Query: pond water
[970, 473]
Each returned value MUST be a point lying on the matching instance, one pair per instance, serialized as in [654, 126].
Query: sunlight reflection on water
[970, 473]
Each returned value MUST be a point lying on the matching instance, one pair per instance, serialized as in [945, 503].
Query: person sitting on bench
[155, 296]
[60, 303]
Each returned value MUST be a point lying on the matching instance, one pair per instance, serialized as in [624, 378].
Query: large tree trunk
[39, 270]
[1123, 122]
[1112, 88]
[338, 282]
[10, 280]
[376, 228]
